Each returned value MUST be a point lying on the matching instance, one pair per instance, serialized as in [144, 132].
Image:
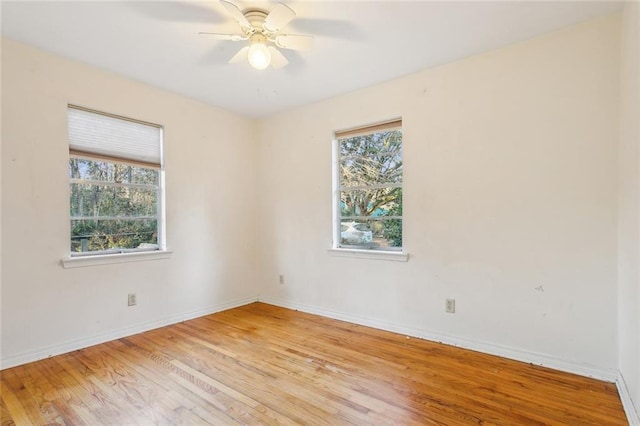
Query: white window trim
[106, 259]
[370, 254]
[103, 259]
[336, 250]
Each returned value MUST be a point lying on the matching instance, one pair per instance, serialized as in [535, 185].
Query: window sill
[370, 254]
[107, 259]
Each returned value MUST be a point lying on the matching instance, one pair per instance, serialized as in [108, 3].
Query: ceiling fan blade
[280, 16]
[294, 42]
[242, 55]
[230, 37]
[278, 60]
[236, 13]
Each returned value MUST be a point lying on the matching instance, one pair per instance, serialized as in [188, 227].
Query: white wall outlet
[132, 300]
[450, 306]
[281, 279]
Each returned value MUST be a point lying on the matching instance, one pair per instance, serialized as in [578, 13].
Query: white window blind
[118, 138]
[365, 130]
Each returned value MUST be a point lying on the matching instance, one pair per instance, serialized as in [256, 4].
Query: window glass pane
[371, 144]
[113, 207]
[99, 235]
[371, 203]
[88, 200]
[370, 190]
[374, 170]
[85, 169]
[379, 233]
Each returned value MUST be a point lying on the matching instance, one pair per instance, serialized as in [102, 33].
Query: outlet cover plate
[450, 306]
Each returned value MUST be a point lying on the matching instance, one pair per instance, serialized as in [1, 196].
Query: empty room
[320, 212]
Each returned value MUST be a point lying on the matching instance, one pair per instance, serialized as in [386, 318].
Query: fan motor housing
[256, 17]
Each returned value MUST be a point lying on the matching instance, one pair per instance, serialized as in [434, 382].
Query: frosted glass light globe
[259, 56]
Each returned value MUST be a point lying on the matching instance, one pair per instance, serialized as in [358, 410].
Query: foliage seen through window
[370, 179]
[114, 206]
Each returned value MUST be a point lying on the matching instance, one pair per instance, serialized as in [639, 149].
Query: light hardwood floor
[263, 364]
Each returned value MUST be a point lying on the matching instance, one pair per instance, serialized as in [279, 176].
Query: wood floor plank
[270, 361]
[318, 364]
[20, 403]
[172, 398]
[67, 372]
[261, 364]
[60, 405]
[5, 417]
[383, 388]
[234, 404]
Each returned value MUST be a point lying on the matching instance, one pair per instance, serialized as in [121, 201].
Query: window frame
[123, 255]
[397, 254]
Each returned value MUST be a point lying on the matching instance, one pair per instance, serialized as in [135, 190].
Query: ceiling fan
[262, 30]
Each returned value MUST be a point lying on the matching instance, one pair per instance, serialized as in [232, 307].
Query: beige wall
[510, 191]
[209, 157]
[511, 206]
[629, 222]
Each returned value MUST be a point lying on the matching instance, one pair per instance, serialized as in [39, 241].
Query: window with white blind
[368, 187]
[116, 183]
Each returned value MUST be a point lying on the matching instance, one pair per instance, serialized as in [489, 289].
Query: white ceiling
[357, 43]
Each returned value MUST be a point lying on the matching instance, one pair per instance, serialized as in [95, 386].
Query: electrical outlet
[281, 279]
[450, 306]
[132, 299]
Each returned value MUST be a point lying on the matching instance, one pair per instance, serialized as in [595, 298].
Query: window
[116, 184]
[368, 187]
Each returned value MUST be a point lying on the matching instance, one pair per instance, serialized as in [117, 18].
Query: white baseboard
[609, 375]
[633, 415]
[73, 345]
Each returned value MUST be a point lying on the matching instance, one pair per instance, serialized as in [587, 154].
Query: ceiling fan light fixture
[259, 56]
[262, 29]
